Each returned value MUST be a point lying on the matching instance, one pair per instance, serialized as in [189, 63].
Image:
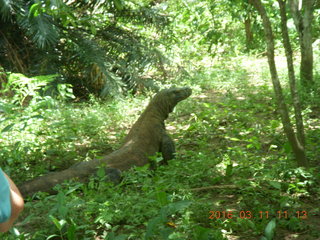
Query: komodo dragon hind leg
[167, 148]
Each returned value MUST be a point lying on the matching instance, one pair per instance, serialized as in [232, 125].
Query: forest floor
[230, 195]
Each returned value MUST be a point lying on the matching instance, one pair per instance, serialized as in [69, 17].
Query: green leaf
[93, 29]
[151, 227]
[202, 233]
[52, 236]
[7, 128]
[175, 207]
[234, 139]
[287, 148]
[118, 4]
[229, 170]
[101, 172]
[34, 10]
[71, 232]
[61, 204]
[207, 105]
[165, 233]
[162, 198]
[275, 184]
[56, 222]
[74, 188]
[121, 237]
[270, 228]
[274, 124]
[143, 168]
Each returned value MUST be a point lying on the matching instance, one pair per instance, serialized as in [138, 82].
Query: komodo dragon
[146, 137]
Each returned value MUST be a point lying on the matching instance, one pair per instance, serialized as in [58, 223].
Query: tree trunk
[297, 148]
[303, 22]
[249, 34]
[292, 78]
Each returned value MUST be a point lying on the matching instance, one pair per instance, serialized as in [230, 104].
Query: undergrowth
[233, 174]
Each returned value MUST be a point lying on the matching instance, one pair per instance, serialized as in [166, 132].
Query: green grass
[231, 157]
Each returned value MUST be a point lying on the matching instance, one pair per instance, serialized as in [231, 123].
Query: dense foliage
[234, 175]
[97, 46]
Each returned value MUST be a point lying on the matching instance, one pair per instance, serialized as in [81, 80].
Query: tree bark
[292, 78]
[303, 21]
[297, 148]
[249, 34]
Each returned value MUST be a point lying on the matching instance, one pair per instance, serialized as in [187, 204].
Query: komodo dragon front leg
[167, 148]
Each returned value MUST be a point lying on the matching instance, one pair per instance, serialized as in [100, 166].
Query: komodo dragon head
[167, 99]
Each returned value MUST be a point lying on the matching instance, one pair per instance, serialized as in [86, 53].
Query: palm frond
[89, 65]
[6, 7]
[59, 36]
[41, 28]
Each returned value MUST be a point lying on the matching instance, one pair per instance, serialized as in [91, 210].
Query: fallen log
[146, 137]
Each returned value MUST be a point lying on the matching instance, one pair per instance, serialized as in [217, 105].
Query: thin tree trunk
[306, 67]
[297, 148]
[292, 78]
[303, 22]
[249, 34]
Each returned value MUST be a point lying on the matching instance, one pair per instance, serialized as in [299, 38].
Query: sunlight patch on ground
[240, 98]
[112, 135]
[207, 61]
[202, 96]
[291, 236]
[233, 237]
[258, 69]
[170, 127]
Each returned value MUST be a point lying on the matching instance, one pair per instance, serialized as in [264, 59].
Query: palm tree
[87, 43]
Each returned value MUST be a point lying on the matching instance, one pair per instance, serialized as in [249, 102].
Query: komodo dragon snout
[180, 94]
[174, 94]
